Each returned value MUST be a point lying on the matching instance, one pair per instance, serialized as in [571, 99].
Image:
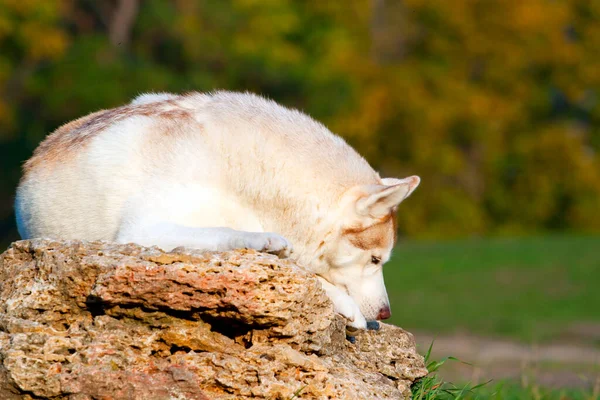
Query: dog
[220, 171]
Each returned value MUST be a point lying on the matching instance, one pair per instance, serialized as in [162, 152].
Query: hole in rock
[174, 349]
[267, 357]
[94, 306]
[230, 328]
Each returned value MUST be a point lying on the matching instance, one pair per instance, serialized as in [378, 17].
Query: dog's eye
[375, 260]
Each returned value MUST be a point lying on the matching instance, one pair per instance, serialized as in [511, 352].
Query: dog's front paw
[350, 310]
[346, 306]
[268, 242]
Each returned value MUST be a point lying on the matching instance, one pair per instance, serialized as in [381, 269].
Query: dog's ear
[380, 200]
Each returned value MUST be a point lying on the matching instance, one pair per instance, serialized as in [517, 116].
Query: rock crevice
[95, 320]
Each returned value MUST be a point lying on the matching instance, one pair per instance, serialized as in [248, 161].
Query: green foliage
[494, 104]
[526, 288]
[297, 392]
[432, 387]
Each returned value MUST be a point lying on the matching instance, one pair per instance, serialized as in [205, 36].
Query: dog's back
[250, 150]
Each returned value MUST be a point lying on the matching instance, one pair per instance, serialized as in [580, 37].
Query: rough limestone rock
[103, 321]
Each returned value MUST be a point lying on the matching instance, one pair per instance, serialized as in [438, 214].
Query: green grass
[432, 387]
[524, 288]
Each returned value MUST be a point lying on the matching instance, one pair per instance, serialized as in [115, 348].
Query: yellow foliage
[52, 44]
[496, 104]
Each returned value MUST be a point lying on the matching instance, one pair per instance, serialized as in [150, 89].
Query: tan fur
[56, 146]
[71, 137]
[373, 236]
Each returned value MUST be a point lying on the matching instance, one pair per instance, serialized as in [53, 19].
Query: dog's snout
[384, 313]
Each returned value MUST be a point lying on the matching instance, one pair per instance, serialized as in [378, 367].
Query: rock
[84, 321]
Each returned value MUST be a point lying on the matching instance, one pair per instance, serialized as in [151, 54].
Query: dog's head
[363, 241]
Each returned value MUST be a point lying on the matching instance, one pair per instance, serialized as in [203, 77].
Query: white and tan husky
[217, 172]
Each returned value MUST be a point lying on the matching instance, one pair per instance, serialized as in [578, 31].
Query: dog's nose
[384, 313]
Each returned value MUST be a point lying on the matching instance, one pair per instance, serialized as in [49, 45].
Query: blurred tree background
[493, 103]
